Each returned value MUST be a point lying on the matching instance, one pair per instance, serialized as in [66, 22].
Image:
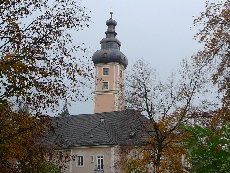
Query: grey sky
[159, 31]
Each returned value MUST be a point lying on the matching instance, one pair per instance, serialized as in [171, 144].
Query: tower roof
[110, 47]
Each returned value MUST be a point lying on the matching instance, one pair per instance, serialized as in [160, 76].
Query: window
[92, 158]
[50, 156]
[17, 164]
[120, 73]
[80, 161]
[121, 87]
[105, 85]
[60, 156]
[100, 162]
[105, 71]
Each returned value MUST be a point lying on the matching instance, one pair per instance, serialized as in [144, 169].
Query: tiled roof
[108, 128]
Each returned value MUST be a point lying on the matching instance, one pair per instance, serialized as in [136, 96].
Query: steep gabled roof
[108, 128]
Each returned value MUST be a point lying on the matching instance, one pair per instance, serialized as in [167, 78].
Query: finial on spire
[111, 13]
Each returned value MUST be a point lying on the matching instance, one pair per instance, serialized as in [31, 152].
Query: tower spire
[111, 13]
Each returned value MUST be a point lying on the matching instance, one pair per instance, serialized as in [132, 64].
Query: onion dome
[110, 47]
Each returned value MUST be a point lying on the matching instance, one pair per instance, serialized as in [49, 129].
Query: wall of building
[108, 103]
[111, 99]
[90, 155]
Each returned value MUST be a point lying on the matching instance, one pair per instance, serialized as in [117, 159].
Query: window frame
[104, 85]
[100, 162]
[80, 162]
[105, 71]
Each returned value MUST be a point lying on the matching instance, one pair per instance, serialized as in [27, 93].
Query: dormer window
[132, 135]
[106, 71]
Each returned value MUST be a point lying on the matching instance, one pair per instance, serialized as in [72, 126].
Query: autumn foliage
[190, 132]
[22, 140]
[168, 106]
[209, 144]
[40, 66]
[37, 52]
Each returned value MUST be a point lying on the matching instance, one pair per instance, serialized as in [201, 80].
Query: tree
[39, 62]
[209, 148]
[46, 167]
[209, 145]
[168, 106]
[22, 140]
[214, 34]
[39, 66]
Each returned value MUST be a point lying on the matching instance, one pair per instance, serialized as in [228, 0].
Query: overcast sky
[158, 31]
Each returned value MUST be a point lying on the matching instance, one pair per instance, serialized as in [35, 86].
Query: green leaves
[209, 149]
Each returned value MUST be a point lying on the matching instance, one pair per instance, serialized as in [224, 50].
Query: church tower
[110, 64]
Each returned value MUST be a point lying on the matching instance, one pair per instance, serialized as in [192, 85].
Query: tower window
[120, 73]
[105, 85]
[105, 71]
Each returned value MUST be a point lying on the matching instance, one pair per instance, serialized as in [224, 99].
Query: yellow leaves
[215, 36]
[146, 154]
[10, 62]
[8, 57]
[17, 132]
